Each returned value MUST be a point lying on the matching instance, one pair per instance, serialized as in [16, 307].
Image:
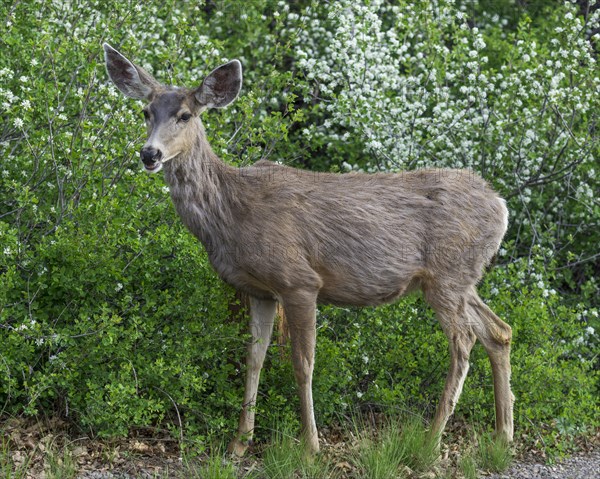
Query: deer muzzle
[151, 158]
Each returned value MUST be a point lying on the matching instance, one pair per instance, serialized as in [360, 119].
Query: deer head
[171, 113]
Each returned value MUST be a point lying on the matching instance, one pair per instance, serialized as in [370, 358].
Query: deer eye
[184, 117]
[146, 114]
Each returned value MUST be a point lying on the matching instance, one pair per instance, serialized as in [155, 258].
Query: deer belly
[352, 294]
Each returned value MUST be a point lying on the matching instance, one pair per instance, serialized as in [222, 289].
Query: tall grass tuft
[421, 448]
[494, 454]
[215, 466]
[8, 469]
[395, 448]
[468, 467]
[60, 464]
[285, 459]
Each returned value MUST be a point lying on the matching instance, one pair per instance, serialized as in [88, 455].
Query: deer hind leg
[495, 335]
[461, 338]
[262, 315]
[300, 312]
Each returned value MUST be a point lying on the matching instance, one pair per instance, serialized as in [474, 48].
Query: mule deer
[300, 238]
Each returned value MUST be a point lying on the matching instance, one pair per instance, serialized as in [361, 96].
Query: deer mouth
[154, 167]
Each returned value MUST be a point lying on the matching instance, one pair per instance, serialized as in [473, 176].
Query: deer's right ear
[221, 86]
[132, 80]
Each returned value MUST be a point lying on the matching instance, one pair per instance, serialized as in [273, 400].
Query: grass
[468, 467]
[285, 459]
[59, 462]
[376, 459]
[8, 468]
[422, 450]
[494, 454]
[15, 464]
[215, 467]
[394, 449]
[60, 466]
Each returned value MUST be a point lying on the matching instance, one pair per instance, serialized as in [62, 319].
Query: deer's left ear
[221, 86]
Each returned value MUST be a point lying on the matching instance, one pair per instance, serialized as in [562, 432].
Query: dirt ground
[40, 447]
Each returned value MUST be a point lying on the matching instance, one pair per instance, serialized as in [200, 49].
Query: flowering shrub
[417, 85]
[110, 314]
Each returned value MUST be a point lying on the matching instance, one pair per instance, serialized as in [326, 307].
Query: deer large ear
[221, 86]
[132, 80]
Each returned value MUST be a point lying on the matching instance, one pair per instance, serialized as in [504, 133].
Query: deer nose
[150, 155]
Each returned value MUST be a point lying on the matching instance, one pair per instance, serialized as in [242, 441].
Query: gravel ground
[104, 475]
[585, 466]
[115, 475]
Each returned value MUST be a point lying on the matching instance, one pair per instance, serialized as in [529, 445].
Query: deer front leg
[262, 315]
[300, 312]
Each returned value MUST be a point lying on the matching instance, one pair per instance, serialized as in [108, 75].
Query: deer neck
[199, 183]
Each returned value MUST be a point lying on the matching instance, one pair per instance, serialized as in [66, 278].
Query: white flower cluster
[414, 83]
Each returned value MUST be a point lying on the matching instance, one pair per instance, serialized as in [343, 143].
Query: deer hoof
[505, 437]
[237, 448]
[310, 446]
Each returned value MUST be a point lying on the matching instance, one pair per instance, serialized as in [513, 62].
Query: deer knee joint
[503, 333]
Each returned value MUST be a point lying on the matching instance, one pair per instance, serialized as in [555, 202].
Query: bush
[111, 314]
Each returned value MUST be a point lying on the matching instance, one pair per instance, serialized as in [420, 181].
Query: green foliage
[110, 313]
